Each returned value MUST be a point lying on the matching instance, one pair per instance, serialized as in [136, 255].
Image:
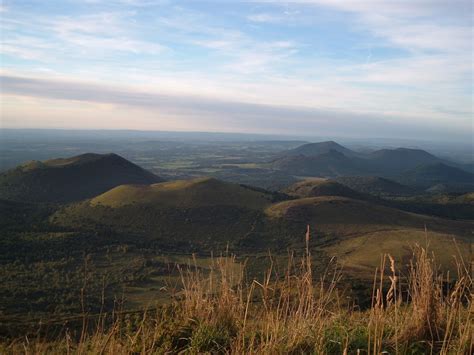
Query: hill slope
[188, 215]
[330, 164]
[185, 194]
[71, 179]
[347, 217]
[314, 149]
[395, 161]
[375, 185]
[357, 232]
[321, 187]
[439, 173]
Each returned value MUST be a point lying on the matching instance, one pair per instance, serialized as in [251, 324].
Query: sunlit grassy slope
[201, 214]
[185, 193]
[191, 214]
[321, 187]
[363, 230]
[360, 254]
[350, 216]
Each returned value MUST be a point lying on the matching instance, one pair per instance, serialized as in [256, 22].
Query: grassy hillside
[321, 187]
[206, 214]
[466, 198]
[344, 223]
[186, 194]
[360, 254]
[375, 185]
[323, 208]
[349, 216]
[381, 191]
[71, 179]
[198, 214]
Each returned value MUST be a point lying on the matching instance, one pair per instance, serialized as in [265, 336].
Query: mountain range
[413, 167]
[109, 195]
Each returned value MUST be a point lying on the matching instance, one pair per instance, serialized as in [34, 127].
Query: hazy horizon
[398, 70]
[248, 135]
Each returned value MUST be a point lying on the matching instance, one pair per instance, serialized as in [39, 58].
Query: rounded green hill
[185, 193]
[321, 187]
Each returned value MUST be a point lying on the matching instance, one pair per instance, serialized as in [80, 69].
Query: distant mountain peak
[318, 148]
[326, 143]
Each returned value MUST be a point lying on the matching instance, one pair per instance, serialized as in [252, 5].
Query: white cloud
[104, 23]
[265, 18]
[412, 24]
[87, 36]
[160, 111]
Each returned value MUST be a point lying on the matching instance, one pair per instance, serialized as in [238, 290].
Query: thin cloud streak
[221, 113]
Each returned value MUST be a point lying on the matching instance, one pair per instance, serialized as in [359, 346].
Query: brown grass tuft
[220, 311]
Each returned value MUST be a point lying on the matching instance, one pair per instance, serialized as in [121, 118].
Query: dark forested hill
[313, 149]
[395, 161]
[434, 174]
[71, 179]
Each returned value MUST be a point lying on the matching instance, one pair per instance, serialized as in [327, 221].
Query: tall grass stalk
[420, 310]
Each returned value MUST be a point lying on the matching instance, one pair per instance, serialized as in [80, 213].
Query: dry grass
[223, 312]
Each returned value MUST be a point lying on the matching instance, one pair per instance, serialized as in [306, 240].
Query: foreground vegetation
[414, 309]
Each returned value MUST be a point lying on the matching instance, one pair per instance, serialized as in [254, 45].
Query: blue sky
[362, 68]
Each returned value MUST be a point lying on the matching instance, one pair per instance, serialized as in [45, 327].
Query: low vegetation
[414, 309]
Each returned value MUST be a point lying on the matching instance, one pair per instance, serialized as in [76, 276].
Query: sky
[348, 68]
